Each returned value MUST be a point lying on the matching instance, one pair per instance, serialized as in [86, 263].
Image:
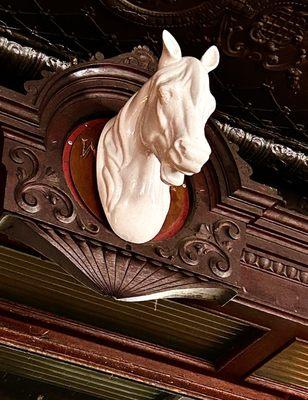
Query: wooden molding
[42, 333]
[230, 215]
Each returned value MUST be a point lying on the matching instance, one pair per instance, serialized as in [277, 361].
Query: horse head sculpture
[155, 140]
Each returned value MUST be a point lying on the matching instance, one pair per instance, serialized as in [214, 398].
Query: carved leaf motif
[204, 232]
[143, 57]
[212, 243]
[31, 190]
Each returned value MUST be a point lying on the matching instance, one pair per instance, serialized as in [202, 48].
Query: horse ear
[171, 50]
[210, 58]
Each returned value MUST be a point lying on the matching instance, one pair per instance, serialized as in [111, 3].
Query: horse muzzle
[188, 158]
[170, 176]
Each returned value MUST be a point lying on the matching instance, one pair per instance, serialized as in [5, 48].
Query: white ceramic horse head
[155, 140]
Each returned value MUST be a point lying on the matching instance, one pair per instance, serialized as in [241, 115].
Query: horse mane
[115, 152]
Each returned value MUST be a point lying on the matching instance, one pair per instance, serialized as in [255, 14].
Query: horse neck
[134, 160]
[131, 175]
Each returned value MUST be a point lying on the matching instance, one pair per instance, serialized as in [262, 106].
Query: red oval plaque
[79, 166]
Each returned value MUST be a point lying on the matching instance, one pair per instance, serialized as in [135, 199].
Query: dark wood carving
[262, 77]
[167, 13]
[140, 56]
[270, 46]
[289, 164]
[214, 241]
[111, 271]
[237, 237]
[290, 272]
[30, 187]
[32, 61]
[228, 212]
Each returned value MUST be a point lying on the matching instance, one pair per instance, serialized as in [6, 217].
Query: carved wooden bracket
[228, 214]
[111, 271]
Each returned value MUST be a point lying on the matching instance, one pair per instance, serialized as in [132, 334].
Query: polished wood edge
[260, 245]
[290, 390]
[42, 333]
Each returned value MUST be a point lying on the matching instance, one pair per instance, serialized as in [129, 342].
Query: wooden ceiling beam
[254, 355]
[260, 315]
[281, 332]
[42, 333]
[170, 396]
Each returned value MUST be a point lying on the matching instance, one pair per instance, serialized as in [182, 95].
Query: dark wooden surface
[237, 231]
[107, 352]
[262, 78]
[238, 237]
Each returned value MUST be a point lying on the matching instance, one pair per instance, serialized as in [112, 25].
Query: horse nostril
[181, 145]
[193, 152]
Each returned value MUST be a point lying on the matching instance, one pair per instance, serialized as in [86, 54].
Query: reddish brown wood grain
[263, 245]
[43, 333]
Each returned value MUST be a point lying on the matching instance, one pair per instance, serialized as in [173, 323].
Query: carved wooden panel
[228, 213]
[227, 235]
[113, 272]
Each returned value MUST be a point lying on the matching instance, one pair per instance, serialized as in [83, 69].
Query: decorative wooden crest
[51, 204]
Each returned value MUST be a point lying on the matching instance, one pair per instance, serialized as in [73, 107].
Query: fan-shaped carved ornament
[114, 272]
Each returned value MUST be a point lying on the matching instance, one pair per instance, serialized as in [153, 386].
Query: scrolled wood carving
[124, 275]
[30, 188]
[36, 185]
[211, 243]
